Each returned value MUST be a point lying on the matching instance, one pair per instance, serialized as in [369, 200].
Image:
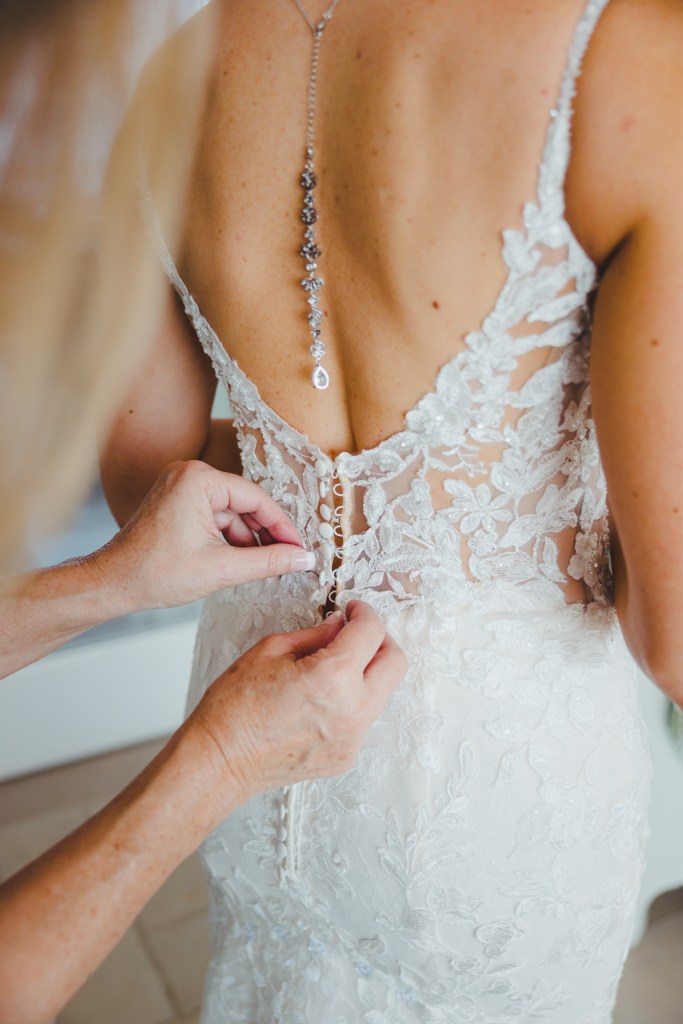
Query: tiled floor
[155, 974]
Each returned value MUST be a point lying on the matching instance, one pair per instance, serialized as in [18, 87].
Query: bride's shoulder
[633, 77]
[636, 57]
[634, 35]
[627, 154]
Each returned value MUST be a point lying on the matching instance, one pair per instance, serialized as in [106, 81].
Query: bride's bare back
[430, 128]
[431, 122]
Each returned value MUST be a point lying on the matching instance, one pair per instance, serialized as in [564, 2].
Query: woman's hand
[173, 550]
[297, 705]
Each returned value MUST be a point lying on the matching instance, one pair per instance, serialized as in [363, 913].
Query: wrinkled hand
[298, 705]
[174, 551]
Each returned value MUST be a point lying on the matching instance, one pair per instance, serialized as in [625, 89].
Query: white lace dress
[482, 861]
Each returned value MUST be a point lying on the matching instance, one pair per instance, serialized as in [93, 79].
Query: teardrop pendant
[320, 378]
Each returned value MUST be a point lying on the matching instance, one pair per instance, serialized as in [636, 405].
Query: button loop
[331, 510]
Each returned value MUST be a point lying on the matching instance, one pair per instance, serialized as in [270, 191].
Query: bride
[424, 395]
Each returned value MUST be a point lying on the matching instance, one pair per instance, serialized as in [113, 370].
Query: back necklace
[310, 250]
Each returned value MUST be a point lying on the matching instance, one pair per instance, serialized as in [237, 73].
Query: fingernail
[302, 561]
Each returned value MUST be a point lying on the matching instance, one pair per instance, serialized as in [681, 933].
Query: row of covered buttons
[329, 527]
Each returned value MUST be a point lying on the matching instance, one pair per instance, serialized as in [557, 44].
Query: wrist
[190, 778]
[44, 609]
[110, 582]
[211, 739]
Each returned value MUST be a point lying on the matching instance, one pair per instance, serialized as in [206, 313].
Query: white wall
[664, 869]
[94, 697]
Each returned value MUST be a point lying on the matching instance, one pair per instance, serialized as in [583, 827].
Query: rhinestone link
[310, 251]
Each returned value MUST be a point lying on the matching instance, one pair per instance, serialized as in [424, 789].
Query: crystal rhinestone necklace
[310, 251]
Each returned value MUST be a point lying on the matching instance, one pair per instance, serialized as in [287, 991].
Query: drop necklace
[310, 251]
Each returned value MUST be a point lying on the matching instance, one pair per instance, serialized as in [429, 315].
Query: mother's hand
[173, 550]
[296, 705]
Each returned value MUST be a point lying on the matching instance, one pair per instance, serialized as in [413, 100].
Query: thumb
[242, 565]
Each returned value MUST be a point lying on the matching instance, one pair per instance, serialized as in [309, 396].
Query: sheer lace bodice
[480, 864]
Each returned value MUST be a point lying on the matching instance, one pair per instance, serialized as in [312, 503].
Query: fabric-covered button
[326, 512]
[321, 467]
[325, 531]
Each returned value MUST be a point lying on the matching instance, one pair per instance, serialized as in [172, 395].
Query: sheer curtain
[68, 71]
[151, 22]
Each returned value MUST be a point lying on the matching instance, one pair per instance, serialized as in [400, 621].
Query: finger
[236, 531]
[240, 530]
[254, 524]
[387, 670]
[230, 492]
[265, 538]
[304, 642]
[244, 564]
[361, 637]
[264, 535]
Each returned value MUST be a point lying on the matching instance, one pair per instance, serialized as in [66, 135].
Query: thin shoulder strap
[557, 150]
[208, 339]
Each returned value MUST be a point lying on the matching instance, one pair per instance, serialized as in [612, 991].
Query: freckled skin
[405, 132]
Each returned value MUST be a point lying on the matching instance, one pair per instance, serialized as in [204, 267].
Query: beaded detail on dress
[481, 863]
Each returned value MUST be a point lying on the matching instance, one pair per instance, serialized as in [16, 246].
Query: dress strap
[205, 333]
[557, 150]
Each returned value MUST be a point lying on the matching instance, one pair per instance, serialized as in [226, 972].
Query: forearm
[42, 610]
[171, 552]
[61, 915]
[647, 634]
[261, 725]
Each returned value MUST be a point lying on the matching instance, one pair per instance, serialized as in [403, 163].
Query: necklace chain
[325, 17]
[310, 250]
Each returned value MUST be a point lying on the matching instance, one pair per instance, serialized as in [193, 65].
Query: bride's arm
[165, 416]
[637, 379]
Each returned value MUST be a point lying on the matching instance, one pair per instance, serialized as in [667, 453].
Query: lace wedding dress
[481, 863]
